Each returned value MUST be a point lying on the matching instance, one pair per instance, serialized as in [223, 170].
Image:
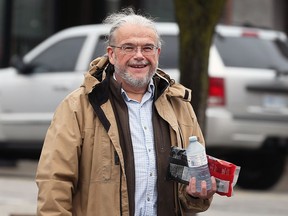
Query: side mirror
[23, 68]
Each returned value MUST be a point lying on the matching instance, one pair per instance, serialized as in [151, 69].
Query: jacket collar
[101, 70]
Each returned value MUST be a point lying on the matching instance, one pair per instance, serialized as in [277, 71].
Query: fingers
[213, 188]
[191, 188]
[214, 184]
[204, 193]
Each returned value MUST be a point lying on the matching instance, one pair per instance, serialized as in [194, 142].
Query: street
[18, 194]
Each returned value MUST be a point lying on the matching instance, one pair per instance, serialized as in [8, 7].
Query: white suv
[247, 117]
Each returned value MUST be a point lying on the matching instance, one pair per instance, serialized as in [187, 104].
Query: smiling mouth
[138, 66]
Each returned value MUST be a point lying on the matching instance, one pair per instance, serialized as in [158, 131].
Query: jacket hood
[101, 69]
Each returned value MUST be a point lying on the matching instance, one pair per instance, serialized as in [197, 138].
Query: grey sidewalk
[18, 193]
[17, 196]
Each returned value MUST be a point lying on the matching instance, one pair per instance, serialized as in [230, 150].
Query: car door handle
[60, 88]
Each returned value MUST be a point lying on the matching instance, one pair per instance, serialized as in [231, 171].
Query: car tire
[260, 170]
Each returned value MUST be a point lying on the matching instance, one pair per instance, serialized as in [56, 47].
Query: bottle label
[197, 160]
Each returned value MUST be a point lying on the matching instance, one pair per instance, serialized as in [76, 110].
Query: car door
[28, 101]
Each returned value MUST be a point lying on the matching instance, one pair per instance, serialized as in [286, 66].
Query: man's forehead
[136, 29]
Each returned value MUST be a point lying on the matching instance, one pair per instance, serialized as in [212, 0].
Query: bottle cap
[193, 138]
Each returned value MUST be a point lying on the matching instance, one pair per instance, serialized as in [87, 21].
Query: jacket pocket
[105, 167]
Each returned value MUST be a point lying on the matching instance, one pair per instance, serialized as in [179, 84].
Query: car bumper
[223, 130]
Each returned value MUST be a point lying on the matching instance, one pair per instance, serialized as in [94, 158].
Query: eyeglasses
[131, 49]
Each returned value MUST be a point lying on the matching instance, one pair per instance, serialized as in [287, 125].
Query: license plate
[272, 101]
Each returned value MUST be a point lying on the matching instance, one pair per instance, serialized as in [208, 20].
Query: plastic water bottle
[198, 163]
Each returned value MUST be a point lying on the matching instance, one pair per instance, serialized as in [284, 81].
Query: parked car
[247, 114]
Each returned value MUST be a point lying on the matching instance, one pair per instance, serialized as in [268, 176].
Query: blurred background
[26, 23]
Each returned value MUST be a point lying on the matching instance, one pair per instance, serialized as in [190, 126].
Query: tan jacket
[77, 174]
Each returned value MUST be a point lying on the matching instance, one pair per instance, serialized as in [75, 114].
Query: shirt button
[148, 199]
[151, 174]
[145, 128]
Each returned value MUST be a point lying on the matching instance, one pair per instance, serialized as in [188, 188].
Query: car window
[100, 48]
[169, 52]
[62, 56]
[252, 52]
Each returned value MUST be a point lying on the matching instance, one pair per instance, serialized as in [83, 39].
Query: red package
[225, 173]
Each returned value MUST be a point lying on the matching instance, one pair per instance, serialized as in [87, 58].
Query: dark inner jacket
[110, 89]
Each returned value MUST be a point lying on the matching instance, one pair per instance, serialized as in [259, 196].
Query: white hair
[128, 16]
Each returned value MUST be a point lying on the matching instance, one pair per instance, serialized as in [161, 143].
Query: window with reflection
[62, 56]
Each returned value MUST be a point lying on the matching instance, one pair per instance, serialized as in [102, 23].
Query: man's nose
[139, 51]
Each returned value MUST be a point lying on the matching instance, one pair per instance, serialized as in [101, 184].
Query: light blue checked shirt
[141, 127]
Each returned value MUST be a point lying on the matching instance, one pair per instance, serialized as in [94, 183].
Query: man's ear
[159, 51]
[110, 52]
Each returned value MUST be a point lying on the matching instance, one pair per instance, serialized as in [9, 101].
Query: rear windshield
[252, 52]
[246, 52]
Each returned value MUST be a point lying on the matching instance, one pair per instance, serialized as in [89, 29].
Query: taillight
[252, 34]
[216, 95]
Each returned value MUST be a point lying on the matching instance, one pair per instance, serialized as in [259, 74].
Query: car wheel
[260, 170]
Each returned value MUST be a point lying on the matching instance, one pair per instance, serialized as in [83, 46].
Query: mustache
[138, 63]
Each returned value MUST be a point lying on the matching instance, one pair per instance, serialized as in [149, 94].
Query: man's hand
[204, 194]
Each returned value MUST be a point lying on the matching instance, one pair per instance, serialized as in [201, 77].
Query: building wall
[31, 21]
[263, 13]
[254, 12]
[5, 31]
[2, 20]
[280, 15]
[162, 10]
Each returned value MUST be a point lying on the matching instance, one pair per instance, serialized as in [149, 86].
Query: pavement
[18, 190]
[18, 195]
